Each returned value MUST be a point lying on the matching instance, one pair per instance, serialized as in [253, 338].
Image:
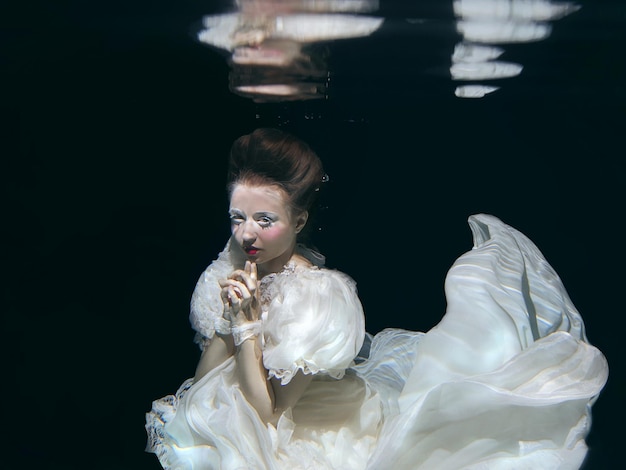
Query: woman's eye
[235, 220]
[265, 222]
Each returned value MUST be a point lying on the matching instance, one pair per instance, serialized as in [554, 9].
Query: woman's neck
[277, 264]
[293, 258]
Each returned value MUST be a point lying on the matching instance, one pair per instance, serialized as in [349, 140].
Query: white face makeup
[262, 226]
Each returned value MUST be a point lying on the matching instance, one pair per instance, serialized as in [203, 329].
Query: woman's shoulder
[301, 286]
[302, 273]
[313, 321]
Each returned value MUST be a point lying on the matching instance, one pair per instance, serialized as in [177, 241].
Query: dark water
[116, 122]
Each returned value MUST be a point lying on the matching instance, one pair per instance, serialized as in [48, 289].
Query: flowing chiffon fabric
[505, 380]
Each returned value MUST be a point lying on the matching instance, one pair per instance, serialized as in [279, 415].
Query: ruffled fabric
[505, 380]
[314, 322]
[207, 309]
[501, 296]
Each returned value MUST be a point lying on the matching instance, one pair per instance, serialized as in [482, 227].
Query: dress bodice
[312, 318]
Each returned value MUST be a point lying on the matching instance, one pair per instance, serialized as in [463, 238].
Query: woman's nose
[248, 234]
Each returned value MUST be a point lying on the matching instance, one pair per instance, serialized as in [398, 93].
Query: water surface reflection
[278, 49]
[484, 23]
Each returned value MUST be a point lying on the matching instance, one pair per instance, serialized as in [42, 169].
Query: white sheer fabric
[312, 321]
[506, 380]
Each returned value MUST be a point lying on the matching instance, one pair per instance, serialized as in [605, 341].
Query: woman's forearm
[220, 348]
[253, 378]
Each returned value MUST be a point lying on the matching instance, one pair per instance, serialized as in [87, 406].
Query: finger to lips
[249, 277]
[250, 283]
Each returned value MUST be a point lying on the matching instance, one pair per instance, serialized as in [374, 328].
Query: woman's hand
[240, 296]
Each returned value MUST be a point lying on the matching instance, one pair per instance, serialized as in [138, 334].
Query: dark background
[116, 123]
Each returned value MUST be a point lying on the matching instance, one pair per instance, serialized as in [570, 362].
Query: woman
[505, 380]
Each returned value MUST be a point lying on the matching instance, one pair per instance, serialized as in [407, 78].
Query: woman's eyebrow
[265, 213]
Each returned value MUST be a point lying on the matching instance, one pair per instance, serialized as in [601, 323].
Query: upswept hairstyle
[274, 157]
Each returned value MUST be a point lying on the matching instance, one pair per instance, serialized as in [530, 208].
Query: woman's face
[263, 226]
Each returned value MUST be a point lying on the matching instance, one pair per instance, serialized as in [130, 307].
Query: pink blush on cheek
[274, 233]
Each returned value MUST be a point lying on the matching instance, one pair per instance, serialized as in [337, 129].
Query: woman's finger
[245, 278]
[241, 288]
[238, 274]
[234, 300]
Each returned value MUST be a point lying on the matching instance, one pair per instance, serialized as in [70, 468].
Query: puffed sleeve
[206, 302]
[314, 323]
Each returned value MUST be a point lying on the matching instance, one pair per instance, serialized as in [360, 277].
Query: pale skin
[265, 229]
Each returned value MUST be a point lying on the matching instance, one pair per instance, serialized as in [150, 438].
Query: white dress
[506, 380]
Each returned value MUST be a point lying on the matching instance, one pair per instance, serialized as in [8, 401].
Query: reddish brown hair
[274, 157]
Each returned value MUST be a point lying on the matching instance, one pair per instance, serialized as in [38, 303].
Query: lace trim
[246, 331]
[206, 305]
[267, 293]
[285, 375]
[163, 410]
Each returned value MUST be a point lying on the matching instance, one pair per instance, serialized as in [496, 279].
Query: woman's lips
[251, 250]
